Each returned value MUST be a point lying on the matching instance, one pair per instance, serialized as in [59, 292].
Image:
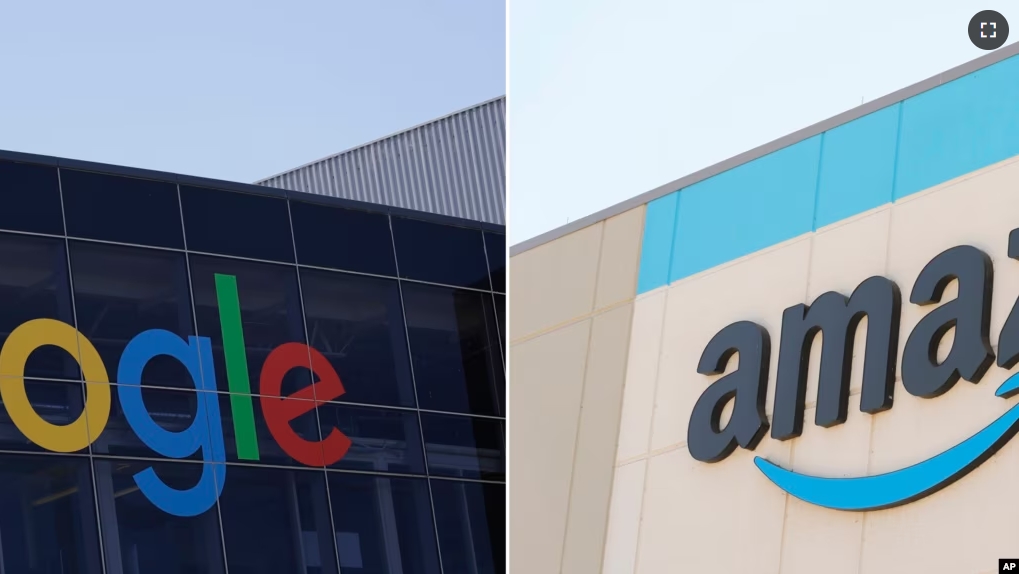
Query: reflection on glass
[381, 440]
[383, 524]
[471, 518]
[33, 285]
[356, 322]
[30, 198]
[122, 291]
[142, 539]
[172, 410]
[464, 447]
[47, 516]
[304, 426]
[58, 403]
[270, 310]
[277, 521]
[241, 224]
[455, 348]
[440, 253]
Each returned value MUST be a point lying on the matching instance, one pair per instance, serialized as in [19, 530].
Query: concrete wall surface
[570, 314]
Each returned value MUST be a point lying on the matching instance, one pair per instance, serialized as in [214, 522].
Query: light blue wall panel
[923, 141]
[857, 166]
[959, 127]
[656, 253]
[747, 208]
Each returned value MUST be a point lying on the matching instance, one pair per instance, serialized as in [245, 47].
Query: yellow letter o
[58, 438]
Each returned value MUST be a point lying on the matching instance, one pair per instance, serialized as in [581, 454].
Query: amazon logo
[837, 317]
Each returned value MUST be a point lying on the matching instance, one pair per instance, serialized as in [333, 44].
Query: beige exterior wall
[670, 513]
[571, 309]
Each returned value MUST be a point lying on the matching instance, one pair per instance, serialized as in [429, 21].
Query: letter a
[747, 385]
[969, 314]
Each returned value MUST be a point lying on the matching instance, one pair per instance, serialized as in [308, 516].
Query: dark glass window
[464, 447]
[440, 253]
[270, 311]
[455, 349]
[122, 209]
[173, 410]
[342, 238]
[34, 285]
[120, 292]
[47, 515]
[240, 224]
[357, 323]
[236, 425]
[471, 518]
[381, 440]
[277, 521]
[383, 524]
[139, 537]
[495, 247]
[30, 198]
[500, 318]
[58, 403]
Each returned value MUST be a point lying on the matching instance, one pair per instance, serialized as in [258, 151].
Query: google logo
[194, 354]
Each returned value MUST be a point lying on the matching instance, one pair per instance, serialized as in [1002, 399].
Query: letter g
[205, 432]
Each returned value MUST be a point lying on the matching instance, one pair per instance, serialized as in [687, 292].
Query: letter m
[837, 318]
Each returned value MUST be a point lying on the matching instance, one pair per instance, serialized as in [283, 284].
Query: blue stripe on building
[913, 145]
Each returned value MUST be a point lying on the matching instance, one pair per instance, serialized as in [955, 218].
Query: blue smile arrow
[905, 485]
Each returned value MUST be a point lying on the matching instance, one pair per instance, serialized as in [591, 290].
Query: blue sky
[609, 99]
[237, 90]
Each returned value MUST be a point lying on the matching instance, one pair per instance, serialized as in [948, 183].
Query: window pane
[342, 238]
[495, 246]
[139, 537]
[241, 224]
[120, 292]
[471, 518]
[30, 198]
[47, 515]
[383, 524]
[277, 521]
[455, 349]
[464, 447]
[237, 435]
[357, 323]
[172, 410]
[500, 319]
[440, 253]
[33, 280]
[122, 209]
[58, 403]
[270, 311]
[381, 440]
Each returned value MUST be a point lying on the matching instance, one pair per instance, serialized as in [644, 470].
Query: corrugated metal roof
[454, 165]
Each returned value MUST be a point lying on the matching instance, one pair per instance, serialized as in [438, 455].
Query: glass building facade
[203, 377]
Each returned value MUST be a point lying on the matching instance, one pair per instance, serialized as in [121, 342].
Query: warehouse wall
[670, 511]
[570, 316]
[880, 193]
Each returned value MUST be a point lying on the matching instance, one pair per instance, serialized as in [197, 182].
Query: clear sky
[609, 99]
[237, 90]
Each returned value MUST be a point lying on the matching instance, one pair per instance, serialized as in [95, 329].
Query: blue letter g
[205, 432]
